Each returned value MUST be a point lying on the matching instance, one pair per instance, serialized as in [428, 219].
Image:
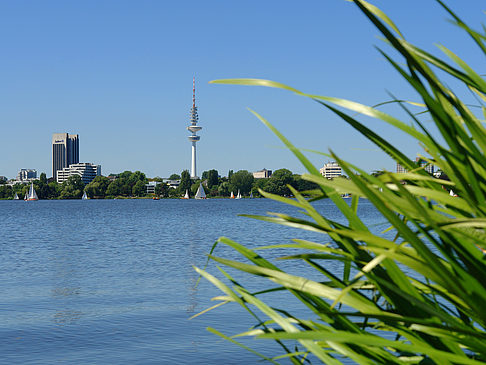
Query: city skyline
[78, 67]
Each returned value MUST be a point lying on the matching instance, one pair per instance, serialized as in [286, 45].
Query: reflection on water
[113, 281]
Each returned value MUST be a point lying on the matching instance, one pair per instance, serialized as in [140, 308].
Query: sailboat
[186, 196]
[201, 194]
[232, 196]
[251, 194]
[85, 197]
[238, 196]
[32, 194]
[16, 197]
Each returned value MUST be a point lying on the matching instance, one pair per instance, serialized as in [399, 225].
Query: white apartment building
[87, 171]
[331, 170]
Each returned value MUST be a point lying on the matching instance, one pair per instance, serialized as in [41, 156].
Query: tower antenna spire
[194, 128]
[194, 92]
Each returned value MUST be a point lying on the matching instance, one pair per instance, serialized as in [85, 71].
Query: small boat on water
[232, 196]
[201, 194]
[32, 195]
[155, 197]
[451, 193]
[251, 194]
[85, 197]
[186, 196]
[16, 197]
[238, 196]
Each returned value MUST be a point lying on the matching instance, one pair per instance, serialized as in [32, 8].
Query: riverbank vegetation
[415, 295]
[133, 185]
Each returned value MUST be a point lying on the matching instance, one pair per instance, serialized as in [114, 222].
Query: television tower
[193, 128]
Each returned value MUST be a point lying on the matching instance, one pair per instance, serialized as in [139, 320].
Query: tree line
[133, 184]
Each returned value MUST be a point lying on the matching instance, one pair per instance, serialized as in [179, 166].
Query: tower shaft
[193, 163]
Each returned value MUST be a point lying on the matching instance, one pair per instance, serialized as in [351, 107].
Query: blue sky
[119, 74]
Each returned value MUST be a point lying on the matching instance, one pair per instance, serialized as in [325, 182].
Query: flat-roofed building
[26, 175]
[331, 170]
[65, 151]
[401, 169]
[151, 186]
[174, 184]
[427, 166]
[262, 174]
[87, 171]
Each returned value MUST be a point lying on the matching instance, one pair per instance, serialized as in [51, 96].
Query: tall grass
[426, 288]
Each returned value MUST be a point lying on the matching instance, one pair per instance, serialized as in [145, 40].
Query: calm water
[86, 282]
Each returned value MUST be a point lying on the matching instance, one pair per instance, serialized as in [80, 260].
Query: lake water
[111, 281]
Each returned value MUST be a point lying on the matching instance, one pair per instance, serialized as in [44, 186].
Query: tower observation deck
[194, 128]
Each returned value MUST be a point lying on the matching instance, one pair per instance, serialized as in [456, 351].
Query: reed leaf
[414, 293]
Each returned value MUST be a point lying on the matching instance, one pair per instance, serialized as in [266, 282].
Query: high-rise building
[193, 128]
[65, 151]
[87, 171]
[331, 170]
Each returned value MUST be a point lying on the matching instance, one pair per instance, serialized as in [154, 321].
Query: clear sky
[119, 73]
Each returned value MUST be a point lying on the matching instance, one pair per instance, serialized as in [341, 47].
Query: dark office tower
[65, 151]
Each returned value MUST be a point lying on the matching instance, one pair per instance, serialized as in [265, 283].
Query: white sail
[251, 194]
[232, 196]
[239, 195]
[187, 195]
[84, 196]
[16, 197]
[32, 194]
[201, 194]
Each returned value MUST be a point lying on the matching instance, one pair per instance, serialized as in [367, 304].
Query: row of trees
[125, 184]
[70, 189]
[243, 181]
[133, 184]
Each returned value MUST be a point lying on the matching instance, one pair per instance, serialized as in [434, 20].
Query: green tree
[185, 182]
[241, 180]
[213, 178]
[174, 177]
[139, 189]
[162, 189]
[54, 190]
[277, 184]
[41, 186]
[224, 189]
[6, 192]
[97, 187]
[114, 189]
[72, 188]
[303, 185]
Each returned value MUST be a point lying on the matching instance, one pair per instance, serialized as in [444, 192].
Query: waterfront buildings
[262, 174]
[331, 170]
[26, 175]
[427, 166]
[420, 162]
[194, 128]
[87, 171]
[65, 151]
[401, 169]
[150, 187]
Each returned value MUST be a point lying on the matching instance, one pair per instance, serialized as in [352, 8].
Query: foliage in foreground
[417, 298]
